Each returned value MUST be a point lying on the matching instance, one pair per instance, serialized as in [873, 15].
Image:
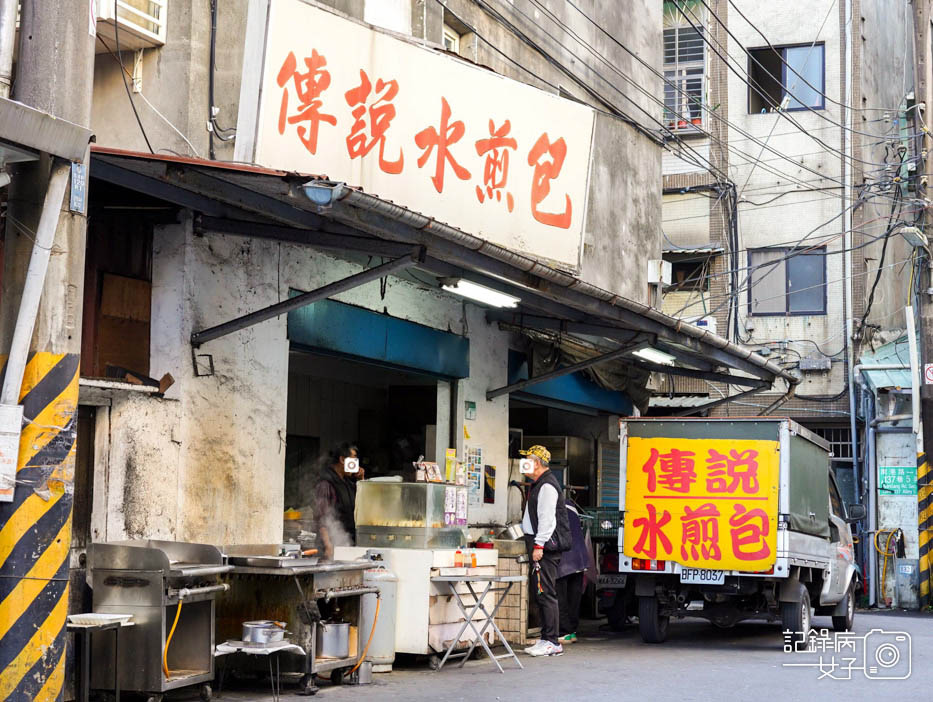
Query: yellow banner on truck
[704, 503]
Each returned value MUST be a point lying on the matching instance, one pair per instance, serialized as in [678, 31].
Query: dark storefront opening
[389, 414]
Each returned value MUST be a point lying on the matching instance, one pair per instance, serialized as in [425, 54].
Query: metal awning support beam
[318, 239]
[702, 375]
[566, 370]
[129, 178]
[531, 321]
[686, 357]
[285, 306]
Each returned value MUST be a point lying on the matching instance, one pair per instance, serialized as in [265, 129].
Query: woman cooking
[335, 500]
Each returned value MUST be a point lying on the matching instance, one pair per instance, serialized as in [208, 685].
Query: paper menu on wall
[450, 506]
[474, 474]
[461, 516]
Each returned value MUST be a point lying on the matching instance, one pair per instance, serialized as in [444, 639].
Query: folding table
[272, 650]
[452, 581]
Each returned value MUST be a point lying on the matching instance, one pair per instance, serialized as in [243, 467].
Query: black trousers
[544, 587]
[569, 594]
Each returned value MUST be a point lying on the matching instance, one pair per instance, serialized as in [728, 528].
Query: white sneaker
[545, 648]
[539, 649]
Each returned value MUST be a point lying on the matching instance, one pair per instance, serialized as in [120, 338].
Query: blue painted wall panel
[575, 389]
[355, 332]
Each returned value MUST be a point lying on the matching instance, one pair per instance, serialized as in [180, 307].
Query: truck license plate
[611, 580]
[702, 576]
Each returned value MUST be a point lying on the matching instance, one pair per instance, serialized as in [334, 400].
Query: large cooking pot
[333, 640]
[263, 631]
[512, 531]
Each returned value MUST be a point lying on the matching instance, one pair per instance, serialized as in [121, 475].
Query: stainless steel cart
[151, 580]
[298, 591]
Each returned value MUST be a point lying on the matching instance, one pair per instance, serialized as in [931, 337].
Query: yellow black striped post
[35, 534]
[925, 524]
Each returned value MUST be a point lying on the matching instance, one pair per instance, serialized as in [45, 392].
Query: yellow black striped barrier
[925, 524]
[35, 534]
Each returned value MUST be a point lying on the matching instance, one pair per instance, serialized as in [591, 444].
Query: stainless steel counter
[319, 568]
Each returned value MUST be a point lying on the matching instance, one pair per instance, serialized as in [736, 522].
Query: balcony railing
[142, 23]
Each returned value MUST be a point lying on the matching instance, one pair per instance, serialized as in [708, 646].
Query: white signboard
[928, 373]
[497, 158]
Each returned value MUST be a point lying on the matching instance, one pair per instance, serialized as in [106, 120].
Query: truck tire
[651, 625]
[843, 622]
[796, 617]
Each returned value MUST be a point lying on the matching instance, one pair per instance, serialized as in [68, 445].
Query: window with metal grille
[839, 440]
[684, 73]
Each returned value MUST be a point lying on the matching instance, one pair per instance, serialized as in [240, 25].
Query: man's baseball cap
[540, 452]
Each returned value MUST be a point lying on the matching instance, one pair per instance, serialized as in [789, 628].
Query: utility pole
[54, 74]
[923, 95]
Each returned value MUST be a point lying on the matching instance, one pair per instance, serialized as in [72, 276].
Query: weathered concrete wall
[175, 81]
[897, 512]
[207, 463]
[885, 75]
[804, 210]
[624, 210]
[624, 199]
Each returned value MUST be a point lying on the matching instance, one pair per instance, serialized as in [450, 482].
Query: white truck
[732, 519]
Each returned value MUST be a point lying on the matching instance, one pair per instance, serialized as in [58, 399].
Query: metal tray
[272, 561]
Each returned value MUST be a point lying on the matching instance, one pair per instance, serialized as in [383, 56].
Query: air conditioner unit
[708, 323]
[142, 24]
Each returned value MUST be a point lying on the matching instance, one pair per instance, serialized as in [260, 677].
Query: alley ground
[698, 662]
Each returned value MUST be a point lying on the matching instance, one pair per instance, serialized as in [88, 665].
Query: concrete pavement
[698, 662]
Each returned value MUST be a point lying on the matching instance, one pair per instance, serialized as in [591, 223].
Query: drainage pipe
[35, 282]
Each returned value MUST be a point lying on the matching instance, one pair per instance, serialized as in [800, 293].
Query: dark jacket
[560, 540]
[343, 501]
[578, 557]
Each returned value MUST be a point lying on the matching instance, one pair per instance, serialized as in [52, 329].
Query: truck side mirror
[856, 513]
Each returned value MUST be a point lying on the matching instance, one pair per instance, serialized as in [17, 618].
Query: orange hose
[168, 641]
[371, 634]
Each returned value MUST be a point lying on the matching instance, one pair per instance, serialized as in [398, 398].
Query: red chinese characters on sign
[308, 88]
[372, 119]
[652, 532]
[545, 171]
[438, 141]
[700, 533]
[676, 468]
[496, 170]
[749, 531]
[729, 473]
[707, 503]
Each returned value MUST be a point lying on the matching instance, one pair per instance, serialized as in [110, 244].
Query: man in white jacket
[547, 535]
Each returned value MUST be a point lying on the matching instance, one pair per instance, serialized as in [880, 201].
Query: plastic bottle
[458, 559]
[473, 558]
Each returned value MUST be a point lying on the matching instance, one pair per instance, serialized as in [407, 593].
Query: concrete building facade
[820, 179]
[206, 460]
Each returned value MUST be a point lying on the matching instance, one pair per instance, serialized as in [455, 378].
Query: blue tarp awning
[892, 353]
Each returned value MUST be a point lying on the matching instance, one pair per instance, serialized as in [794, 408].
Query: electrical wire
[713, 113]
[129, 95]
[151, 106]
[782, 113]
[812, 87]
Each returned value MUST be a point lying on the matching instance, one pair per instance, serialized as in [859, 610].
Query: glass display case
[410, 515]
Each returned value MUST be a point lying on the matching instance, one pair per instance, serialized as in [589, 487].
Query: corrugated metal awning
[893, 353]
[254, 202]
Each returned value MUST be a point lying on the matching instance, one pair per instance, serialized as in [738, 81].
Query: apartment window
[690, 273]
[792, 77]
[784, 284]
[684, 73]
[451, 39]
